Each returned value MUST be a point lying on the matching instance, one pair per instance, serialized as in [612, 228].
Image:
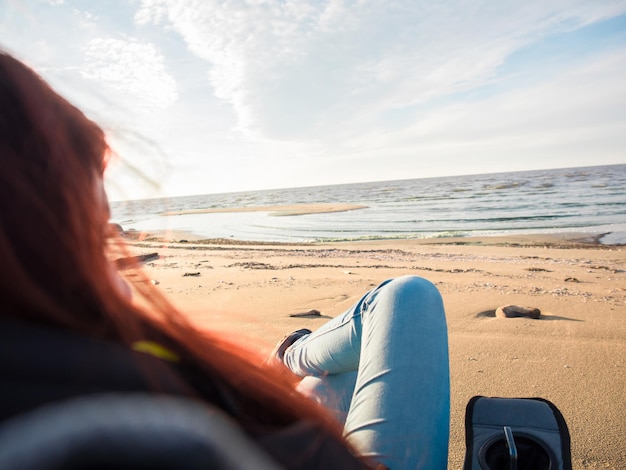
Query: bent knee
[416, 290]
[413, 285]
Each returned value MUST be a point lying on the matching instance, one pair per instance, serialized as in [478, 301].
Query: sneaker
[279, 351]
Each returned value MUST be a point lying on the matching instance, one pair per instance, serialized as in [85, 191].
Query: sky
[206, 96]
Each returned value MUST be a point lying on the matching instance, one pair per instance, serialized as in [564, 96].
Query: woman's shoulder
[41, 364]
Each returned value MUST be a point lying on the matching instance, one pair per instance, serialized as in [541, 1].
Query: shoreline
[255, 220]
[574, 355]
[551, 240]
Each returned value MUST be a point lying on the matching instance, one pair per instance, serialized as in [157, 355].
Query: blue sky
[204, 96]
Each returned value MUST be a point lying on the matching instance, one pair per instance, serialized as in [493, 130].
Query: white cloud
[150, 11]
[565, 104]
[559, 122]
[298, 69]
[130, 67]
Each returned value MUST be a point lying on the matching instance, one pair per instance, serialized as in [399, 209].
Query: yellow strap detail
[156, 350]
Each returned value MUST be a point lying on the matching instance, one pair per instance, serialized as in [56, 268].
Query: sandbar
[276, 210]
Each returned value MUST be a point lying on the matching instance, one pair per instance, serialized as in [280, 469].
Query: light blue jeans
[382, 367]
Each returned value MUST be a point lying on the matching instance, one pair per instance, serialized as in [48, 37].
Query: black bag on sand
[515, 434]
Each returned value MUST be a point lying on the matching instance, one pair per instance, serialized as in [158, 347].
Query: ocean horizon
[589, 200]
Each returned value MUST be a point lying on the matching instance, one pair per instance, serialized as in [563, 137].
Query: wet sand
[574, 355]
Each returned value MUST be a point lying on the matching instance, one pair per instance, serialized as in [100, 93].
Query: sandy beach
[574, 355]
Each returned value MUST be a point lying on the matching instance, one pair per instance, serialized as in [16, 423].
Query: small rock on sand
[514, 311]
[310, 313]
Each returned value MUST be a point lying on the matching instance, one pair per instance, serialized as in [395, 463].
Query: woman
[381, 368]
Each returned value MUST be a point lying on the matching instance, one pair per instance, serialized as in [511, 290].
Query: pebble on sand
[514, 311]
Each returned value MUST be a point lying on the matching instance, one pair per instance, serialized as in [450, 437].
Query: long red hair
[55, 250]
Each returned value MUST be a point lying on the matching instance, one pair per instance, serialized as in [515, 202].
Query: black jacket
[41, 365]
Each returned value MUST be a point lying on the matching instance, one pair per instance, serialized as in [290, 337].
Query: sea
[589, 200]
